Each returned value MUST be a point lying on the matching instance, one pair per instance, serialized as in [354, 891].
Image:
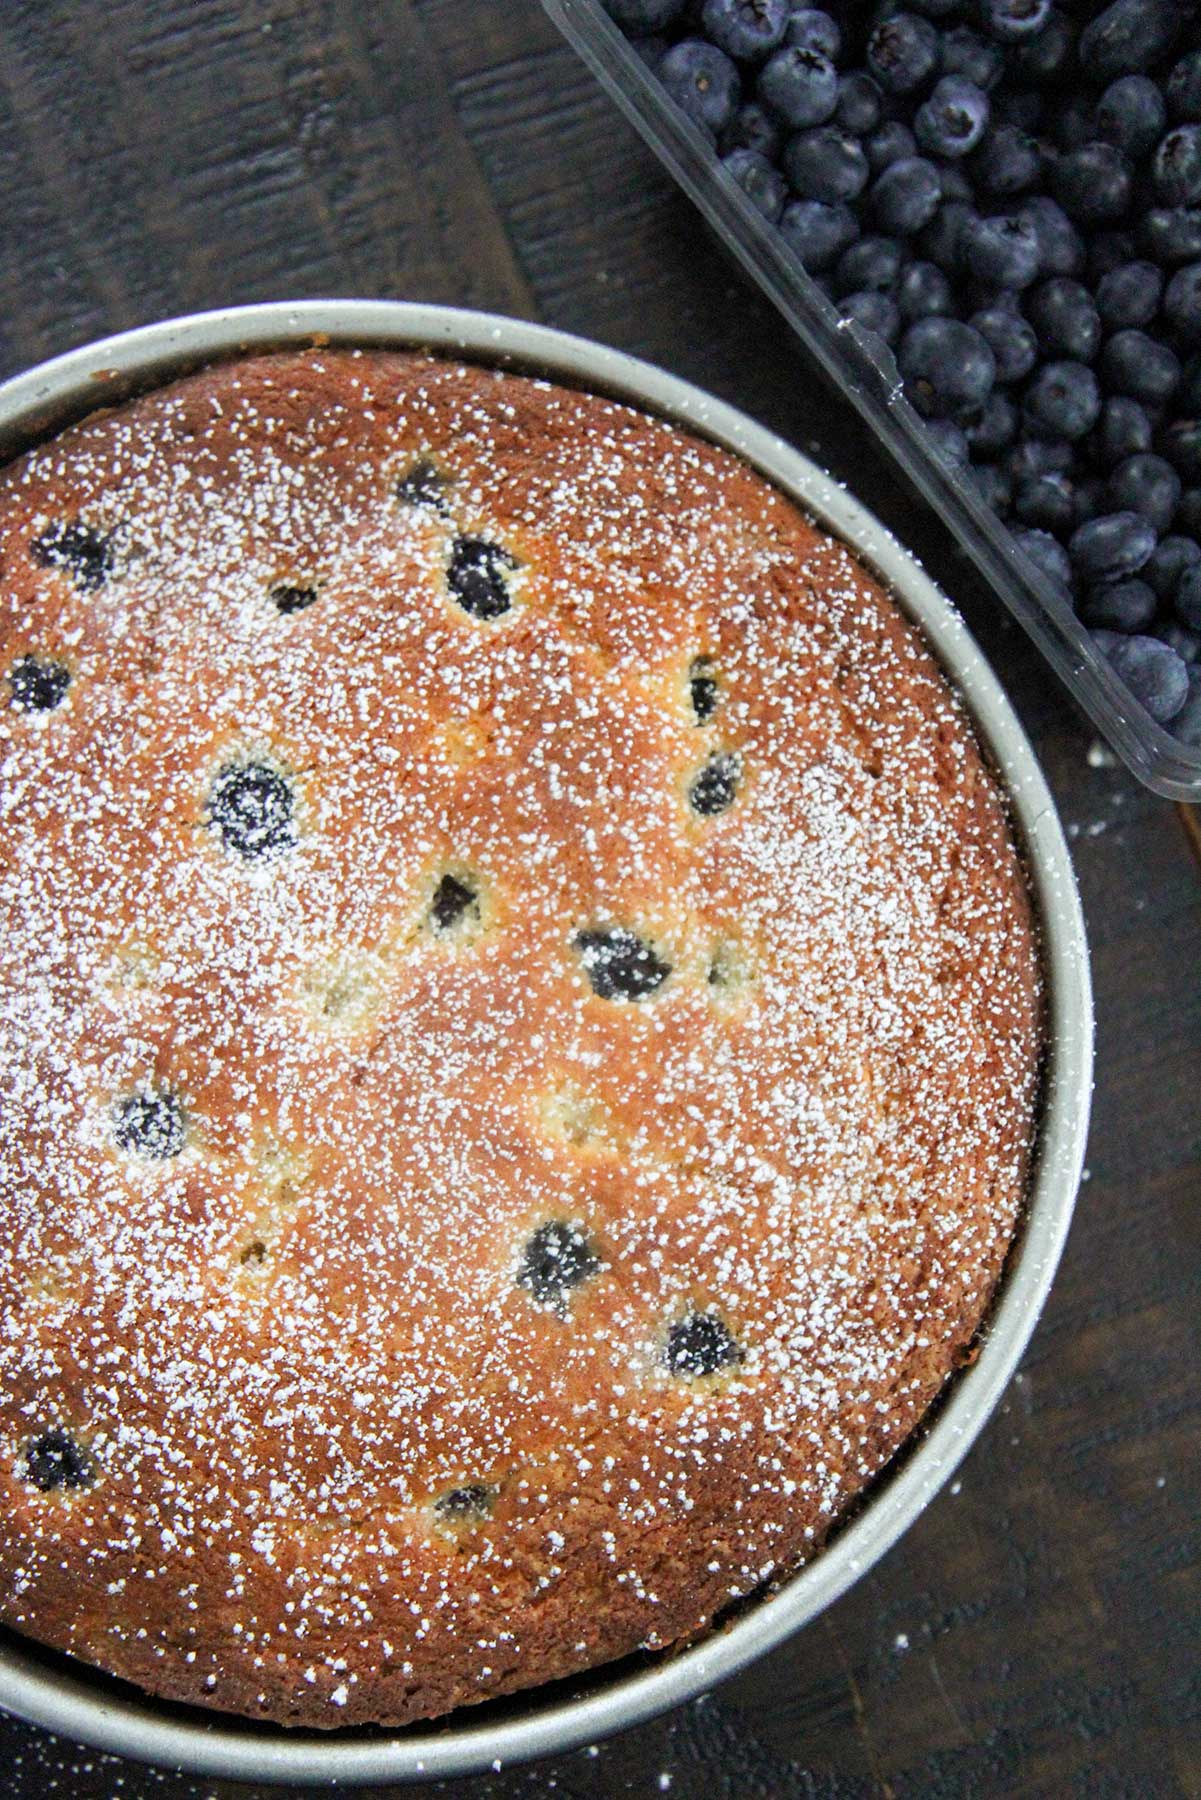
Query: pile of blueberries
[1008, 193]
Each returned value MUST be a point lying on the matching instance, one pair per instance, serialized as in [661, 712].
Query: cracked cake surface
[520, 1022]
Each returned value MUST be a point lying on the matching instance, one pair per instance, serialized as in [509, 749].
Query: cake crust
[519, 1028]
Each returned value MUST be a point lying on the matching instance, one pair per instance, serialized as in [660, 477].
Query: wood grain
[1036, 1632]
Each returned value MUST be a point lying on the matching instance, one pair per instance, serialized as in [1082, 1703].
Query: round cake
[521, 1029]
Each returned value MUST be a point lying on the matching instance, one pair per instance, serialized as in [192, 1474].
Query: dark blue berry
[703, 82]
[1129, 295]
[703, 689]
[1128, 605]
[1008, 161]
[477, 577]
[1188, 513]
[1092, 183]
[903, 52]
[1088, 498]
[948, 368]
[1186, 724]
[1135, 364]
[1172, 556]
[1188, 597]
[1184, 87]
[1181, 444]
[1011, 340]
[644, 15]
[941, 241]
[923, 292]
[1182, 302]
[753, 128]
[826, 164]
[1002, 251]
[290, 597]
[953, 182]
[38, 683]
[1186, 644]
[893, 142]
[858, 106]
[906, 195]
[469, 1504]
[80, 551]
[252, 809]
[1040, 456]
[1148, 485]
[452, 899]
[715, 788]
[992, 483]
[995, 428]
[1188, 394]
[1127, 38]
[1047, 56]
[619, 964]
[1048, 556]
[1060, 246]
[558, 1257]
[1172, 234]
[422, 484]
[799, 86]
[874, 311]
[1176, 166]
[1111, 545]
[150, 1124]
[1011, 20]
[953, 120]
[1153, 672]
[1064, 315]
[54, 1460]
[745, 29]
[1131, 115]
[948, 442]
[650, 50]
[1109, 250]
[763, 186]
[1123, 430]
[966, 53]
[874, 262]
[1046, 502]
[700, 1344]
[818, 232]
[811, 28]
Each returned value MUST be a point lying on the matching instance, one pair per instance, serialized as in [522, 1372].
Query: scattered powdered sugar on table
[519, 1025]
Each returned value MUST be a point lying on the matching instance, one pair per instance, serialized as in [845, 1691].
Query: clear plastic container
[866, 374]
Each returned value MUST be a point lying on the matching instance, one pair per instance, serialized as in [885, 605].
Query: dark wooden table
[1036, 1633]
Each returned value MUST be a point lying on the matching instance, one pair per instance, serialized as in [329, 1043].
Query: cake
[521, 1031]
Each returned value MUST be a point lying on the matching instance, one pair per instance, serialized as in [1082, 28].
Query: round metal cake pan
[66, 1696]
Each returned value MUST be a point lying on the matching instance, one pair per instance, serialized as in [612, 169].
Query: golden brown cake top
[519, 1039]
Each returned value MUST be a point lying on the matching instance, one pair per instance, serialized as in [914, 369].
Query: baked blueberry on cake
[521, 1030]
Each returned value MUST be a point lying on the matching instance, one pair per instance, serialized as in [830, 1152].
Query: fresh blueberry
[1129, 295]
[825, 164]
[893, 142]
[1181, 444]
[1172, 234]
[1011, 20]
[1186, 644]
[650, 50]
[1186, 724]
[1127, 38]
[1188, 597]
[150, 1125]
[906, 195]
[1008, 161]
[995, 428]
[1011, 340]
[715, 788]
[1060, 246]
[699, 1344]
[619, 964]
[1046, 502]
[1064, 315]
[923, 291]
[811, 28]
[1184, 87]
[966, 53]
[1088, 498]
[745, 29]
[80, 551]
[858, 106]
[703, 82]
[1131, 115]
[903, 52]
[54, 1460]
[1188, 513]
[992, 483]
[948, 368]
[953, 182]
[874, 262]
[752, 128]
[558, 1257]
[763, 186]
[1109, 250]
[1002, 251]
[799, 86]
[948, 442]
[1128, 605]
[1040, 456]
[1092, 184]
[1135, 364]
[1123, 430]
[1111, 545]
[818, 232]
[644, 15]
[1046, 57]
[1176, 166]
[941, 241]
[38, 683]
[1171, 558]
[1182, 302]
[1048, 556]
[874, 311]
[1148, 485]
[1153, 672]
[953, 120]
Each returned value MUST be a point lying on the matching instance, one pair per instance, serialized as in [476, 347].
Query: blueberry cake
[521, 1029]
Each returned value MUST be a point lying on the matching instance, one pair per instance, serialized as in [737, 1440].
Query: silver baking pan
[67, 1697]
